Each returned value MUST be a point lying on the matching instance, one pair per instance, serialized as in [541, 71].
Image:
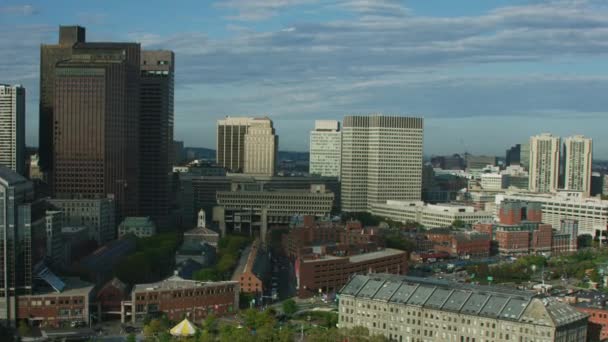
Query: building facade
[50, 55]
[179, 298]
[244, 209]
[98, 215]
[261, 144]
[325, 148]
[16, 196]
[156, 135]
[328, 273]
[231, 142]
[12, 127]
[544, 163]
[430, 215]
[139, 226]
[578, 155]
[96, 124]
[409, 309]
[381, 160]
[591, 213]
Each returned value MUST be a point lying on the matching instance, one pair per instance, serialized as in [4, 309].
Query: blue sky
[484, 74]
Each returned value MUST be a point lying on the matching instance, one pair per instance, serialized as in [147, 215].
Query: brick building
[351, 235]
[179, 298]
[328, 273]
[471, 244]
[253, 269]
[110, 297]
[59, 307]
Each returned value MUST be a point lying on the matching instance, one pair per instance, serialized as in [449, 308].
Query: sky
[484, 74]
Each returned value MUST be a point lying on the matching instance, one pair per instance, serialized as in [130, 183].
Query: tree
[131, 338]
[458, 224]
[290, 307]
[23, 328]
[210, 324]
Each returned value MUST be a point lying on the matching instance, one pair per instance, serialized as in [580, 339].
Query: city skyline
[298, 61]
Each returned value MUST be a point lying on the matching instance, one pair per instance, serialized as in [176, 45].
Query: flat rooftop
[73, 287]
[176, 283]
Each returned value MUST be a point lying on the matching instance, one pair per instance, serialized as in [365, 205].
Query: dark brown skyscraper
[156, 135]
[50, 55]
[96, 124]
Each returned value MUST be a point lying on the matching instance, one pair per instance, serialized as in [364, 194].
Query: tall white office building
[12, 127]
[261, 145]
[325, 148]
[381, 160]
[578, 154]
[544, 163]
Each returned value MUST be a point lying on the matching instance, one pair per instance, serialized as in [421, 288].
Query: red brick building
[328, 273]
[298, 241]
[515, 212]
[253, 269]
[179, 298]
[472, 244]
[56, 309]
[110, 297]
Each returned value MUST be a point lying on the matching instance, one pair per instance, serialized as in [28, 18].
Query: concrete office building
[325, 148]
[12, 127]
[381, 160]
[591, 213]
[493, 181]
[98, 215]
[252, 208]
[200, 191]
[156, 135]
[578, 155]
[479, 162]
[231, 142]
[261, 146]
[96, 124]
[409, 309]
[430, 215]
[544, 163]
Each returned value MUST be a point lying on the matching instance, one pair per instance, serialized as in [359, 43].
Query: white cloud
[18, 10]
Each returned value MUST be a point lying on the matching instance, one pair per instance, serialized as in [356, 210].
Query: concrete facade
[12, 127]
[261, 146]
[409, 309]
[325, 149]
[578, 155]
[381, 160]
[544, 163]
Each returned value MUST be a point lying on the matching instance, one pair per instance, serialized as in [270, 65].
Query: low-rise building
[419, 309]
[590, 212]
[178, 298]
[62, 306]
[430, 215]
[466, 244]
[110, 297]
[253, 269]
[138, 226]
[202, 235]
[328, 273]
